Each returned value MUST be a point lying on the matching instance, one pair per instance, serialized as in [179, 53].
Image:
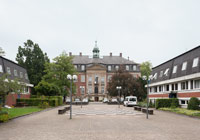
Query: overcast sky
[144, 30]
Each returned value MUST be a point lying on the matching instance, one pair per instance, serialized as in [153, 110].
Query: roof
[11, 61]
[85, 59]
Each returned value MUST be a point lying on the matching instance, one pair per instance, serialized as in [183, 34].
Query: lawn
[20, 111]
[184, 111]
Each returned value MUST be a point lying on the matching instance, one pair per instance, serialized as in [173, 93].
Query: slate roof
[85, 59]
[178, 61]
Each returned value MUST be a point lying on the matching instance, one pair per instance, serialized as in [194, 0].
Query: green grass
[20, 111]
[184, 111]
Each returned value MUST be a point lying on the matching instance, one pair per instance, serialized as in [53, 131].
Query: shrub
[167, 103]
[3, 116]
[193, 103]
[44, 105]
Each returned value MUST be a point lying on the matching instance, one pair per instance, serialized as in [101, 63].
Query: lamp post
[118, 88]
[148, 81]
[81, 95]
[71, 78]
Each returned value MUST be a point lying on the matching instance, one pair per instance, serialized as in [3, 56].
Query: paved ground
[101, 122]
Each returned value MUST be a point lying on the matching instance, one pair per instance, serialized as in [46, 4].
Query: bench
[62, 111]
[150, 111]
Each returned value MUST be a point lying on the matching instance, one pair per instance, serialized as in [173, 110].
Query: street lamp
[148, 82]
[81, 88]
[118, 88]
[71, 78]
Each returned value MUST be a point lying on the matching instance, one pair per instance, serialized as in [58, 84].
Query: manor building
[94, 72]
[179, 78]
[15, 71]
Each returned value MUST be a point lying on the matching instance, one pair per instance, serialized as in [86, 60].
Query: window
[195, 62]
[90, 80]
[166, 72]
[102, 81]
[160, 88]
[184, 85]
[75, 66]
[15, 72]
[184, 66]
[26, 89]
[8, 70]
[161, 73]
[167, 87]
[21, 74]
[82, 67]
[109, 77]
[82, 89]
[1, 69]
[82, 78]
[102, 89]
[197, 83]
[184, 102]
[90, 89]
[174, 69]
[117, 67]
[134, 68]
[127, 67]
[155, 76]
[155, 89]
[109, 68]
[26, 76]
[191, 84]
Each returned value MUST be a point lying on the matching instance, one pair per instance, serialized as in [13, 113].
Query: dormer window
[8, 70]
[174, 69]
[161, 73]
[1, 69]
[166, 72]
[184, 66]
[15, 72]
[134, 68]
[82, 67]
[117, 67]
[21, 74]
[195, 62]
[109, 68]
[75, 66]
[127, 67]
[155, 76]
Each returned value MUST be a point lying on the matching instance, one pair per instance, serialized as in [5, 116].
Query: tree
[129, 84]
[47, 89]
[57, 71]
[146, 68]
[7, 85]
[31, 57]
[2, 53]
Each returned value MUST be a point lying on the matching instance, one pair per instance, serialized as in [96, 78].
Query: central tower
[96, 51]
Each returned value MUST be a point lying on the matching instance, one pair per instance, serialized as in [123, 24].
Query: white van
[130, 101]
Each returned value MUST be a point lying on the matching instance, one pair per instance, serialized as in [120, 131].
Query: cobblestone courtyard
[101, 122]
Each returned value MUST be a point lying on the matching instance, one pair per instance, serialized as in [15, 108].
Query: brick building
[95, 71]
[15, 71]
[179, 77]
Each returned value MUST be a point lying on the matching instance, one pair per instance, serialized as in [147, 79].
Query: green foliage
[193, 103]
[6, 86]
[2, 52]
[4, 116]
[166, 103]
[129, 84]
[33, 59]
[145, 68]
[44, 105]
[151, 104]
[47, 89]
[57, 71]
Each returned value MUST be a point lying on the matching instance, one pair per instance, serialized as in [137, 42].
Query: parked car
[67, 100]
[114, 100]
[130, 101]
[105, 100]
[85, 100]
[77, 100]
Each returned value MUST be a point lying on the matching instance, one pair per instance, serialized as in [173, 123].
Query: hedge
[3, 116]
[193, 103]
[166, 103]
[37, 101]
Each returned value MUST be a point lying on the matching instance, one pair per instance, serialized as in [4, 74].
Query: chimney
[120, 54]
[70, 53]
[110, 54]
[80, 53]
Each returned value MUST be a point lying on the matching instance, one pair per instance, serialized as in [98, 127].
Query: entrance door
[96, 99]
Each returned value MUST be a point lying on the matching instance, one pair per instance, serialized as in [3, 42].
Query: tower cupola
[96, 51]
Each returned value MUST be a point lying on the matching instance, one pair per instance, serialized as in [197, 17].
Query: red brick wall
[159, 95]
[11, 98]
[193, 94]
[79, 83]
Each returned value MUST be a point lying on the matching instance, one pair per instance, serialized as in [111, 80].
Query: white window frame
[82, 90]
[161, 73]
[26, 76]
[127, 67]
[195, 62]
[184, 66]
[75, 66]
[82, 67]
[1, 68]
[134, 67]
[82, 78]
[175, 69]
[21, 74]
[15, 72]
[109, 68]
[197, 84]
[8, 70]
[155, 76]
[117, 67]
[166, 72]
[102, 89]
